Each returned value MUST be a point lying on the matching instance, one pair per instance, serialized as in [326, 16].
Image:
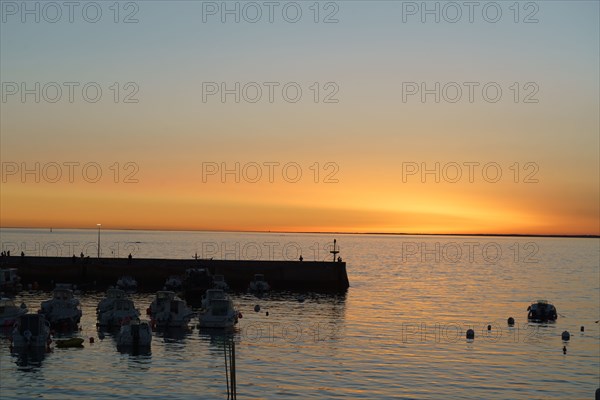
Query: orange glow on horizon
[258, 208]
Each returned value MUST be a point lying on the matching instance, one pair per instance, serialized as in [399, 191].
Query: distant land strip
[323, 233]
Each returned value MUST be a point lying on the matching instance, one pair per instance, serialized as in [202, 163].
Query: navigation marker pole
[334, 251]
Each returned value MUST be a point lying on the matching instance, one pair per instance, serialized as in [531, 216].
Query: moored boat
[10, 312]
[259, 284]
[106, 303]
[542, 311]
[195, 283]
[31, 331]
[168, 310]
[127, 283]
[62, 310]
[134, 334]
[174, 283]
[219, 314]
[219, 282]
[10, 282]
[210, 295]
[121, 311]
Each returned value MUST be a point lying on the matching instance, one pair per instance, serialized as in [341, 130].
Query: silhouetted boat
[134, 335]
[195, 283]
[121, 311]
[31, 331]
[542, 311]
[258, 284]
[220, 314]
[210, 295]
[219, 282]
[169, 311]
[174, 283]
[10, 312]
[112, 294]
[127, 283]
[10, 282]
[62, 310]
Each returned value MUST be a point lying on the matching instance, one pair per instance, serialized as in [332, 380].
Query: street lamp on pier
[98, 225]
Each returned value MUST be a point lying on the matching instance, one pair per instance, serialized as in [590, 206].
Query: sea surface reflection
[398, 332]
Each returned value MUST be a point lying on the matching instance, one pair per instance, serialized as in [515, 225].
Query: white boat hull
[31, 332]
[207, 321]
[135, 335]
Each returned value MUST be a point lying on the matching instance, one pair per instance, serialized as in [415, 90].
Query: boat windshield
[115, 293]
[8, 303]
[213, 294]
[165, 295]
[29, 323]
[62, 294]
[220, 307]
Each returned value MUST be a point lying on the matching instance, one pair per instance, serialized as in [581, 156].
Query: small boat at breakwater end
[259, 284]
[542, 311]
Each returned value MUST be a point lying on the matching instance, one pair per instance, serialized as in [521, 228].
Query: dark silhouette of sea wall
[151, 274]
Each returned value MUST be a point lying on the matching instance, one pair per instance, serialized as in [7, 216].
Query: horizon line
[583, 236]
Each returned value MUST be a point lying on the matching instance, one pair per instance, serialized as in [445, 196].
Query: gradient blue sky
[369, 53]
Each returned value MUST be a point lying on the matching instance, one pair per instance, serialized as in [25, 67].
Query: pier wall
[151, 274]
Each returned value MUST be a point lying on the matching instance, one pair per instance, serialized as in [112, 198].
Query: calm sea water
[399, 331]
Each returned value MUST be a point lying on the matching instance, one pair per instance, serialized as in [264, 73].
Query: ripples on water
[398, 332]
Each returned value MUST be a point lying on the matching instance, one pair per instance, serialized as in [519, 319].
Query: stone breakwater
[151, 273]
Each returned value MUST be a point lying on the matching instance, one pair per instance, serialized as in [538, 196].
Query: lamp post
[98, 225]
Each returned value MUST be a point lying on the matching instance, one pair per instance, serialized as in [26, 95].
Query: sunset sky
[360, 134]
